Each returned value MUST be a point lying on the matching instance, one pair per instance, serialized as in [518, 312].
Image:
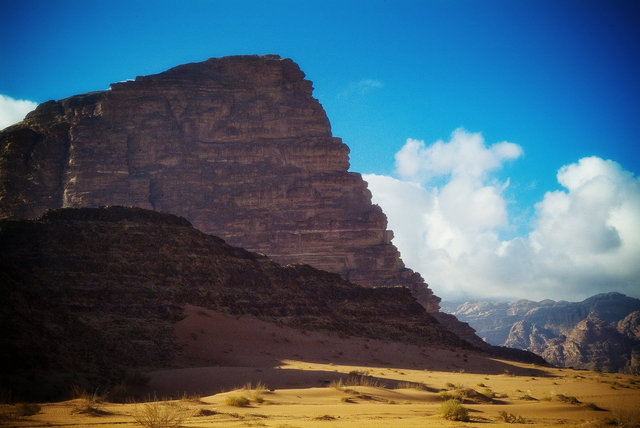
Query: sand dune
[392, 385]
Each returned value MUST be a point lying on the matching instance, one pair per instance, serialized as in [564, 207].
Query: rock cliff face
[236, 145]
[90, 293]
[599, 333]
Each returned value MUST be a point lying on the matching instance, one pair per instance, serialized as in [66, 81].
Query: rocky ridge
[237, 145]
[599, 333]
[91, 294]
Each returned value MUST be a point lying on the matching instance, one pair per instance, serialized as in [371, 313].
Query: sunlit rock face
[237, 145]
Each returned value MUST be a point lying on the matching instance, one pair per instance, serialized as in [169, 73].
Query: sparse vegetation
[625, 418]
[453, 410]
[256, 392]
[567, 399]
[592, 406]
[488, 393]
[356, 378]
[191, 398]
[237, 401]
[412, 385]
[510, 418]
[159, 414]
[528, 398]
[27, 409]
[86, 402]
[324, 418]
[450, 395]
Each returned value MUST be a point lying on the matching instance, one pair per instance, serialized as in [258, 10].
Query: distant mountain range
[599, 333]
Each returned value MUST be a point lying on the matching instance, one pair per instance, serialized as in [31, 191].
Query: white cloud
[361, 87]
[465, 155]
[13, 111]
[446, 212]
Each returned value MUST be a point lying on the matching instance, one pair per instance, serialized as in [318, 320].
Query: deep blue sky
[557, 77]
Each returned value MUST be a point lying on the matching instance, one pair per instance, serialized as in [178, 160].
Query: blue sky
[559, 79]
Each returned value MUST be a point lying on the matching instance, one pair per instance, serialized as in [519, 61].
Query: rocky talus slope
[90, 294]
[599, 333]
[236, 145]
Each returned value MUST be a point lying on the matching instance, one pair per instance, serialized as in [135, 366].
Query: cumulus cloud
[13, 111]
[447, 211]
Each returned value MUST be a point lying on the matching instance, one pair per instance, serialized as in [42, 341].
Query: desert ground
[246, 372]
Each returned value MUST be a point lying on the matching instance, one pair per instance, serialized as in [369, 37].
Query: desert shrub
[160, 414]
[449, 385]
[255, 392]
[567, 399]
[450, 395]
[592, 406]
[510, 418]
[625, 418]
[453, 410]
[191, 398]
[27, 409]
[206, 412]
[237, 401]
[362, 378]
[412, 385]
[488, 393]
[324, 418]
[89, 403]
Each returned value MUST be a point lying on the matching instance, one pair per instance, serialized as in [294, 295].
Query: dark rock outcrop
[88, 294]
[236, 145]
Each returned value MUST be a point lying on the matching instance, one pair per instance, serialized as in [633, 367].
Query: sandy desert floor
[307, 379]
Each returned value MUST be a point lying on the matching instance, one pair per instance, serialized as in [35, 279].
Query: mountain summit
[236, 145]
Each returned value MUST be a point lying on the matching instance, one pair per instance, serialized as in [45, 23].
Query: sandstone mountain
[236, 145]
[599, 333]
[90, 294]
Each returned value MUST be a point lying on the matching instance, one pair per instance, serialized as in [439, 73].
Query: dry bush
[256, 392]
[362, 378]
[592, 406]
[412, 385]
[237, 401]
[159, 414]
[89, 403]
[510, 418]
[567, 399]
[191, 398]
[453, 410]
[450, 395]
[625, 418]
[488, 393]
[27, 409]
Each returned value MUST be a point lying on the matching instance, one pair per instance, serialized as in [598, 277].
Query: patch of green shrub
[453, 410]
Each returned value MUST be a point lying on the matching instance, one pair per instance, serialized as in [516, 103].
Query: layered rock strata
[236, 145]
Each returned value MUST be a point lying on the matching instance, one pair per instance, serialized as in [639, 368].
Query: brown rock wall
[237, 145]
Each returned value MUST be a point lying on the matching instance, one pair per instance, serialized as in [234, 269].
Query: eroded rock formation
[599, 333]
[236, 145]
